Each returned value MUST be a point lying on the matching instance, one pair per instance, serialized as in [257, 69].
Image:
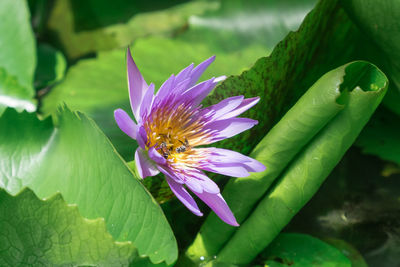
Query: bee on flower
[170, 127]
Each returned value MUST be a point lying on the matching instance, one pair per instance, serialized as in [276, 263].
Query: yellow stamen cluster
[174, 131]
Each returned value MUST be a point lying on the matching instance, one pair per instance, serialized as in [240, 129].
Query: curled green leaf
[363, 86]
[305, 145]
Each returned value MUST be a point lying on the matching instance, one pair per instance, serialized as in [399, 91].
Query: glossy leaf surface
[76, 159]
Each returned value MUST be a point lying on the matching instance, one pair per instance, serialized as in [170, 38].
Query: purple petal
[225, 106]
[143, 164]
[141, 137]
[233, 170]
[125, 123]
[206, 183]
[194, 185]
[183, 195]
[224, 156]
[217, 203]
[245, 105]
[185, 73]
[147, 101]
[220, 79]
[180, 87]
[198, 71]
[229, 127]
[156, 156]
[136, 83]
[168, 172]
[165, 88]
[198, 92]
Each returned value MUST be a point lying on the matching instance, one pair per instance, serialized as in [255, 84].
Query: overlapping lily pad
[49, 232]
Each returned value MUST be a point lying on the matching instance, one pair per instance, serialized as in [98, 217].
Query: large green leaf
[76, 159]
[303, 250]
[302, 145]
[17, 56]
[52, 233]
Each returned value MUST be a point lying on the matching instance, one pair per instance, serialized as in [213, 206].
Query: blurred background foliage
[73, 52]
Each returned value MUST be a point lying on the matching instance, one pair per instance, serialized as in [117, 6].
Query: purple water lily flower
[172, 124]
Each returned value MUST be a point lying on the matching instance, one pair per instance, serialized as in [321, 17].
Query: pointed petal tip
[129, 53]
[182, 194]
[255, 166]
[261, 167]
[116, 111]
[199, 213]
[235, 223]
[231, 220]
[254, 100]
[220, 79]
[217, 203]
[209, 60]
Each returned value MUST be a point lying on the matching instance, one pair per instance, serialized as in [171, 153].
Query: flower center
[174, 129]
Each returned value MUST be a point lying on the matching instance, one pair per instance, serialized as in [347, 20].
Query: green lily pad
[303, 250]
[348, 250]
[77, 160]
[49, 232]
